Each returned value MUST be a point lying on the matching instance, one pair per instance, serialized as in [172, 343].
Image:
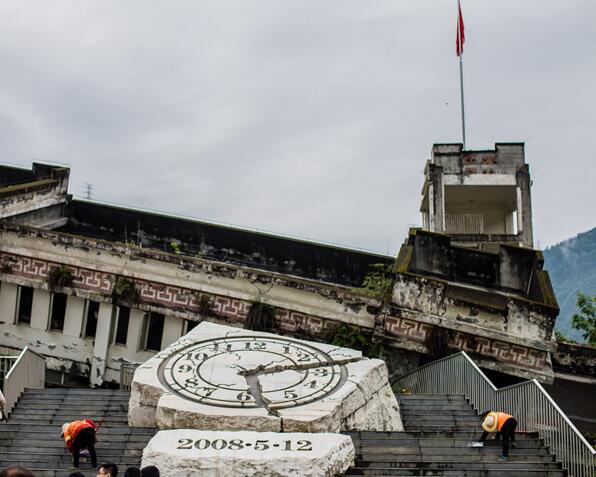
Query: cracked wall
[503, 331]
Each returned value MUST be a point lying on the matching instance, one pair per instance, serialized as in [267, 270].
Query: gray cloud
[307, 118]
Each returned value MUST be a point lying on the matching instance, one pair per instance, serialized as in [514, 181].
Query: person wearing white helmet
[504, 424]
[79, 435]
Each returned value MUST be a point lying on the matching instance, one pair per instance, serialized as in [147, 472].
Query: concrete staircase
[437, 432]
[31, 436]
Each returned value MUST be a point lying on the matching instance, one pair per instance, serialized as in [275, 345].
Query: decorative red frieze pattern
[500, 351]
[232, 308]
[167, 296]
[93, 280]
[36, 269]
[405, 328]
[516, 355]
[27, 267]
[293, 321]
[178, 298]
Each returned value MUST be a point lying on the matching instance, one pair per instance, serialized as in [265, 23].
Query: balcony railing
[464, 223]
[531, 405]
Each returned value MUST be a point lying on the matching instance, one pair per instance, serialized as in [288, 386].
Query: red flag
[461, 37]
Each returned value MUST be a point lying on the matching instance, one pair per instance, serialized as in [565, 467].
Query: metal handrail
[528, 401]
[6, 362]
[27, 371]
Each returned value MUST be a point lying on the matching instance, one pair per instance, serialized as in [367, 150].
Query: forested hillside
[571, 265]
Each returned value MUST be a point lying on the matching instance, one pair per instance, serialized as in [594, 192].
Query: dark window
[154, 331]
[25, 305]
[190, 325]
[58, 312]
[91, 319]
[122, 326]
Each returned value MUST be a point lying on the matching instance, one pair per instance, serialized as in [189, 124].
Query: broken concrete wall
[481, 197]
[498, 307]
[45, 187]
[182, 288]
[505, 331]
[575, 359]
[225, 244]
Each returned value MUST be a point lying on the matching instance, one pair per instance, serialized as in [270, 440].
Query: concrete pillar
[524, 206]
[102, 343]
[73, 320]
[436, 197]
[135, 324]
[40, 311]
[8, 303]
[172, 330]
[431, 208]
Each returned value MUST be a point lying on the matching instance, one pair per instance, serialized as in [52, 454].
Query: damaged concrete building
[91, 286]
[480, 198]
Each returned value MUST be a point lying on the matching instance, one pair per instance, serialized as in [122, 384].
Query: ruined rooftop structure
[480, 198]
[93, 286]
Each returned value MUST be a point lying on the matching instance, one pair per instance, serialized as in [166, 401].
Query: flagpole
[460, 39]
[461, 88]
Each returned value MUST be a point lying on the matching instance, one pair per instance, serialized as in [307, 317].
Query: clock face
[250, 372]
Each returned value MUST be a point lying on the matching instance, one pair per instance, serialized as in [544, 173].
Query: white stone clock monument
[260, 390]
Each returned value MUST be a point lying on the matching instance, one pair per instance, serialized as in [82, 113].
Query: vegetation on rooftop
[205, 305]
[354, 337]
[175, 247]
[125, 292]
[59, 277]
[260, 317]
[5, 268]
[377, 282]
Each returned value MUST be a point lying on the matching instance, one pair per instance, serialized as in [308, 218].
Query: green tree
[585, 320]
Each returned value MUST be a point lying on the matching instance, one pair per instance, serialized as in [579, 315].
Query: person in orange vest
[79, 435]
[504, 424]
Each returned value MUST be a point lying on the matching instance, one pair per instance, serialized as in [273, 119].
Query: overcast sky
[310, 118]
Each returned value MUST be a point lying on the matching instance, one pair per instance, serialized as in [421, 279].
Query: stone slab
[190, 452]
[222, 378]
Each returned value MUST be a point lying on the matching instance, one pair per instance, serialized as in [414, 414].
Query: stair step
[54, 430]
[446, 450]
[114, 413]
[72, 399]
[57, 446]
[496, 471]
[417, 397]
[441, 442]
[36, 424]
[66, 458]
[399, 459]
[378, 435]
[438, 431]
[435, 408]
[445, 412]
[441, 418]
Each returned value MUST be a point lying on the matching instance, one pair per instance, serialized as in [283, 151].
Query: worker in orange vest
[79, 435]
[504, 424]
